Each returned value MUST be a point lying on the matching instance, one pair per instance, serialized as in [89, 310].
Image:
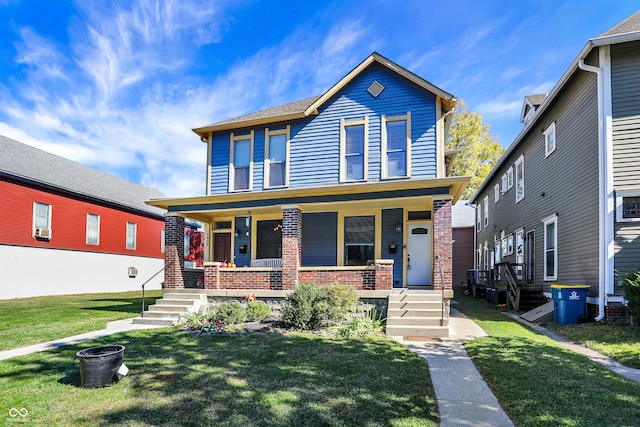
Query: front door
[419, 255]
[222, 247]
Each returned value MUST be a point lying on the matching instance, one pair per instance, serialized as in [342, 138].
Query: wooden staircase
[417, 313]
[174, 303]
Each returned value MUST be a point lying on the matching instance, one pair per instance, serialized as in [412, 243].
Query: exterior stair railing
[147, 281]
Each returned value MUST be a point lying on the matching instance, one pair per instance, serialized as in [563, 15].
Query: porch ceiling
[416, 193]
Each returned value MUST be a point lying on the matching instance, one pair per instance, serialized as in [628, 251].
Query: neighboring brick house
[563, 203]
[349, 186]
[66, 228]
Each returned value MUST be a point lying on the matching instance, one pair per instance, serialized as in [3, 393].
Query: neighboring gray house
[563, 204]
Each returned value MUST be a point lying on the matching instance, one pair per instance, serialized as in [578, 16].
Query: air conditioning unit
[133, 272]
[43, 233]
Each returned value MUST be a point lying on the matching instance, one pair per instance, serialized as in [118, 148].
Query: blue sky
[118, 85]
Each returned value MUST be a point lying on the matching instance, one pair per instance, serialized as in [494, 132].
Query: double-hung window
[550, 247]
[276, 157]
[550, 139]
[496, 193]
[131, 235]
[93, 229]
[241, 165]
[353, 146]
[41, 220]
[520, 178]
[479, 217]
[486, 211]
[396, 146]
[359, 239]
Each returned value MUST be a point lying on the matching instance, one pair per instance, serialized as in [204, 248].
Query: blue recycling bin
[569, 303]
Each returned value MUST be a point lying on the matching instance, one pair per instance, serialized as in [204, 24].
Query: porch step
[153, 321]
[167, 311]
[416, 313]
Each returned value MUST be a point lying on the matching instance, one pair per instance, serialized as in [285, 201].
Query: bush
[300, 309]
[230, 313]
[257, 311]
[631, 286]
[198, 318]
[359, 326]
[336, 301]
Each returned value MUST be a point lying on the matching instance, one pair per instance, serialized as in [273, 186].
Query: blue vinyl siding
[319, 239]
[315, 141]
[242, 260]
[391, 217]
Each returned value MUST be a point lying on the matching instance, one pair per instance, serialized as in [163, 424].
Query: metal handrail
[147, 281]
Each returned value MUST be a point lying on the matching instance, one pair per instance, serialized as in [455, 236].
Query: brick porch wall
[442, 244]
[291, 245]
[174, 252]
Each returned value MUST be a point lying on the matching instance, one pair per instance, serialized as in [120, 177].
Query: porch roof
[411, 192]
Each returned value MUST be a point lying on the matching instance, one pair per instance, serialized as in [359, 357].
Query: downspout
[603, 202]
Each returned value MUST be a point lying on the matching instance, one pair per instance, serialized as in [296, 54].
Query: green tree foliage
[478, 152]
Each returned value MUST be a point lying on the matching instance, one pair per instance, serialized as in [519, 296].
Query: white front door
[419, 255]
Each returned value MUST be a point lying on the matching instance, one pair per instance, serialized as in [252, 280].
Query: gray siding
[319, 239]
[625, 103]
[565, 183]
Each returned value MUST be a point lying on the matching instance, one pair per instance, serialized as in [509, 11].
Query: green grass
[540, 383]
[620, 342]
[293, 379]
[28, 321]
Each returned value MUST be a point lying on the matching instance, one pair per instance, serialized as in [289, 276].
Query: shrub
[198, 318]
[360, 325]
[631, 285]
[300, 309]
[336, 301]
[257, 311]
[231, 312]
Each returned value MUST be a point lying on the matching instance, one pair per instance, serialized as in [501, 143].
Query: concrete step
[415, 297]
[179, 302]
[400, 312]
[415, 305]
[182, 296]
[413, 321]
[162, 315]
[153, 321]
[169, 308]
[418, 331]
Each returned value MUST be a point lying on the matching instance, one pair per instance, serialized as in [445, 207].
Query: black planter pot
[99, 365]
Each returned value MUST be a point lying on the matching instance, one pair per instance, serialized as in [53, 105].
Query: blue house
[350, 186]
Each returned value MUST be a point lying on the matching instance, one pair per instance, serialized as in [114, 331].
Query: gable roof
[531, 102]
[626, 31]
[309, 106]
[29, 164]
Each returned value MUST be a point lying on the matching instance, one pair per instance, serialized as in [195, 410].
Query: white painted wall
[29, 272]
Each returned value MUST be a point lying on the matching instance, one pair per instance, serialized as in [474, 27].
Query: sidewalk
[112, 328]
[463, 397]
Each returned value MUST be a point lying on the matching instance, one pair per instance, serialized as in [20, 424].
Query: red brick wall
[174, 252]
[442, 243]
[291, 246]
[359, 279]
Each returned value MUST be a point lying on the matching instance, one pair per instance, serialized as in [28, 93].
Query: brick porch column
[291, 245]
[384, 274]
[174, 251]
[442, 244]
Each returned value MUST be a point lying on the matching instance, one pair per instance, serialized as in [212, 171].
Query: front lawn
[540, 383]
[28, 321]
[273, 379]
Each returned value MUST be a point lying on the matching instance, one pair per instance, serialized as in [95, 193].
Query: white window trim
[496, 193]
[486, 211]
[503, 182]
[162, 236]
[135, 236]
[343, 164]
[233, 138]
[486, 256]
[33, 220]
[479, 217]
[553, 219]
[509, 178]
[385, 120]
[620, 195]
[510, 244]
[498, 249]
[549, 131]
[519, 164]
[97, 243]
[267, 165]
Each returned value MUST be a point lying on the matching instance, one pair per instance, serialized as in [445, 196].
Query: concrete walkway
[463, 397]
[112, 328]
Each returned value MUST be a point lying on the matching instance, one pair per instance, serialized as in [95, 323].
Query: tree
[477, 151]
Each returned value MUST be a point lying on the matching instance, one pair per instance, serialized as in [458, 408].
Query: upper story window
[131, 235]
[162, 235]
[550, 139]
[520, 178]
[486, 211]
[396, 146]
[276, 157]
[93, 229]
[496, 193]
[628, 205]
[509, 178]
[241, 167]
[479, 217]
[551, 248]
[354, 149]
[41, 221]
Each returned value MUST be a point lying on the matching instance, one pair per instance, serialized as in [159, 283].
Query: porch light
[398, 228]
